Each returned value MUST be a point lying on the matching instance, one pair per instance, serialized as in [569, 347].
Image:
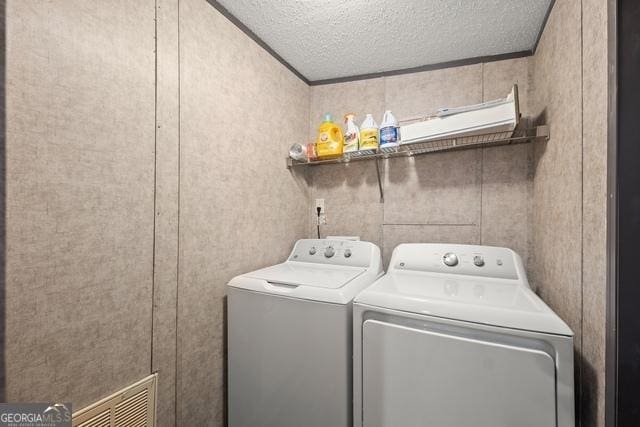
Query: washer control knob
[347, 253]
[450, 259]
[312, 251]
[478, 260]
[329, 252]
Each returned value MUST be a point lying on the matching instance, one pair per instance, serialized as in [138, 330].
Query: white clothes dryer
[453, 336]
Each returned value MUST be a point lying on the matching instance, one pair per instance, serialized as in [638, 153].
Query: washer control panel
[471, 260]
[338, 252]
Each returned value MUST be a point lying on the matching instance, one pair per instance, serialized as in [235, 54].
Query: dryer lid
[503, 303]
[308, 274]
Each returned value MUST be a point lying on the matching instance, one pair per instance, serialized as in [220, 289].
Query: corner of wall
[569, 74]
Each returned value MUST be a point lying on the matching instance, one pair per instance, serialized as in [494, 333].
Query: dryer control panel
[471, 260]
[336, 252]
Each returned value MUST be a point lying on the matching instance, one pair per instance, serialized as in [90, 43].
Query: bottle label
[389, 135]
[369, 139]
[351, 142]
[330, 143]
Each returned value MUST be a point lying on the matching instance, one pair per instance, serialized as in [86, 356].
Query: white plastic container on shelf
[369, 134]
[351, 134]
[389, 131]
[501, 115]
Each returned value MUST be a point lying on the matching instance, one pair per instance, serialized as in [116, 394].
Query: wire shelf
[519, 136]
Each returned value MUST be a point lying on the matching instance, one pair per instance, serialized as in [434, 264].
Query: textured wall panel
[80, 159]
[594, 151]
[166, 207]
[442, 197]
[498, 77]
[240, 208]
[506, 198]
[570, 83]
[3, 182]
[420, 94]
[441, 188]
[569, 188]
[352, 201]
[507, 171]
[557, 185]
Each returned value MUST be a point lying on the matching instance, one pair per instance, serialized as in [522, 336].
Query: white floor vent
[134, 406]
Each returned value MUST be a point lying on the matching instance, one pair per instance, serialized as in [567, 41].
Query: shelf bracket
[378, 160]
[543, 132]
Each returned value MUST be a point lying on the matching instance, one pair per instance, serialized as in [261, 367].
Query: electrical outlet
[323, 219]
[320, 204]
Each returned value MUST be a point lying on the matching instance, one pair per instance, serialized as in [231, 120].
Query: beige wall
[570, 85]
[557, 184]
[240, 208]
[167, 167]
[133, 197]
[477, 196]
[594, 239]
[80, 194]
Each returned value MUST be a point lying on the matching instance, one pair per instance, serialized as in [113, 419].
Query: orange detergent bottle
[330, 140]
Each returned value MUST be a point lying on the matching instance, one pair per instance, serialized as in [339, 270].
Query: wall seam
[582, 335]
[3, 203]
[481, 156]
[177, 293]
[385, 171]
[307, 172]
[155, 182]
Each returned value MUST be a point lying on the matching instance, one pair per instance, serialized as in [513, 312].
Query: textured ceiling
[325, 39]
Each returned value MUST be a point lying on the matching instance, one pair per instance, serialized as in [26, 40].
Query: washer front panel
[289, 361]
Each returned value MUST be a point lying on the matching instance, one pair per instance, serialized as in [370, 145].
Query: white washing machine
[452, 336]
[290, 336]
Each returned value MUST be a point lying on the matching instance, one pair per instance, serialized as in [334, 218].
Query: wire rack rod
[519, 136]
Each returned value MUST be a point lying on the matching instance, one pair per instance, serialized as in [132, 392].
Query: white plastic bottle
[351, 134]
[369, 134]
[389, 131]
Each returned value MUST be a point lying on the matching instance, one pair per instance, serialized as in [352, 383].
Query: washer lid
[308, 274]
[494, 302]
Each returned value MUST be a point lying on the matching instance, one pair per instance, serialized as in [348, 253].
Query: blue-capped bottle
[389, 131]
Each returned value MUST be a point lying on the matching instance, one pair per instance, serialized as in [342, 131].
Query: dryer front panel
[419, 377]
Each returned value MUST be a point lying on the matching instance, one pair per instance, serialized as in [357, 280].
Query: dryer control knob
[312, 251]
[347, 253]
[329, 252]
[478, 260]
[450, 259]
